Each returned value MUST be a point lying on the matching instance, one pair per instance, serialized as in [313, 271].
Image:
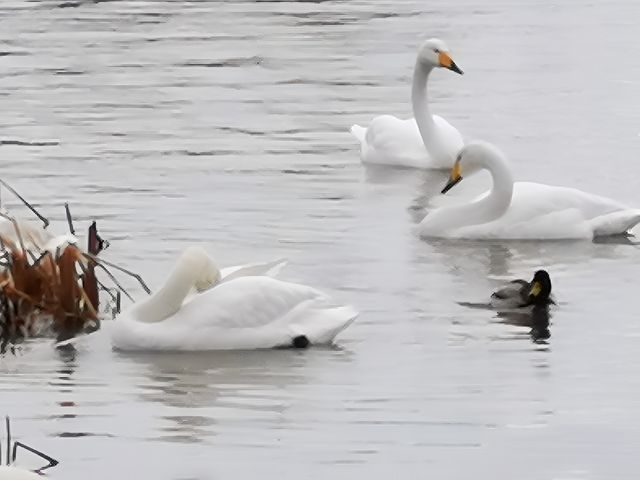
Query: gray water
[226, 124]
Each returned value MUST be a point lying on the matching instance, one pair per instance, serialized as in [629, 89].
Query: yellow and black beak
[447, 62]
[535, 290]
[455, 178]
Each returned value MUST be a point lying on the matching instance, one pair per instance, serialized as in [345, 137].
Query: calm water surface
[226, 124]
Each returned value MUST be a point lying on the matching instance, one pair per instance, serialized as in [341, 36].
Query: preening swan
[391, 141]
[245, 312]
[523, 210]
[210, 275]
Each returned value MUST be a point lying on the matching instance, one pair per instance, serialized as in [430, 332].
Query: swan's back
[245, 302]
[392, 141]
[535, 198]
[539, 211]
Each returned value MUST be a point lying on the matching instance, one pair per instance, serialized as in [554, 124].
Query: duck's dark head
[540, 288]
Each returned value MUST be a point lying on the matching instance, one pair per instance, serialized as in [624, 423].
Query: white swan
[33, 236]
[392, 141]
[17, 473]
[523, 210]
[210, 275]
[245, 312]
[12, 472]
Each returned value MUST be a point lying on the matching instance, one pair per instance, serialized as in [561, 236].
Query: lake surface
[226, 124]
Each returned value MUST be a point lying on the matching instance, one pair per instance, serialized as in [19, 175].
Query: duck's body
[520, 293]
[512, 295]
[524, 210]
[426, 141]
[247, 312]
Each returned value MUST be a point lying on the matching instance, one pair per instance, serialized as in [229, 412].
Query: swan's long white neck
[432, 142]
[168, 300]
[496, 203]
[488, 207]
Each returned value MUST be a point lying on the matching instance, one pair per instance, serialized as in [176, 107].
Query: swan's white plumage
[211, 275]
[425, 141]
[392, 141]
[17, 473]
[533, 210]
[245, 312]
[261, 268]
[33, 236]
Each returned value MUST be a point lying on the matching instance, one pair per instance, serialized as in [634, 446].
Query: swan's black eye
[437, 50]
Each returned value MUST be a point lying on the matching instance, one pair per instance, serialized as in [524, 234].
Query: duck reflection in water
[537, 319]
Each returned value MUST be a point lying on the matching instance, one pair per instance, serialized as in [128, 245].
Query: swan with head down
[523, 210]
[247, 311]
[426, 141]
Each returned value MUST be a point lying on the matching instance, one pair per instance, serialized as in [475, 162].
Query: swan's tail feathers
[359, 132]
[270, 269]
[322, 325]
[616, 223]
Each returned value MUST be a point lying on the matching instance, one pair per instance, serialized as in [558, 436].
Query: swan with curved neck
[194, 269]
[522, 210]
[237, 309]
[426, 141]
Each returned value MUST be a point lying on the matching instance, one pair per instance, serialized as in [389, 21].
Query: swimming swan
[523, 210]
[392, 141]
[520, 293]
[245, 312]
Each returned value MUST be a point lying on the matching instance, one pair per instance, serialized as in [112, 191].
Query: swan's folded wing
[391, 141]
[533, 199]
[539, 211]
[263, 305]
[263, 268]
[557, 225]
[246, 302]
